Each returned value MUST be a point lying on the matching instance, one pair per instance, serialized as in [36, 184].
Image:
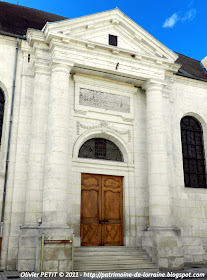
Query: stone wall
[56, 257]
[165, 247]
[51, 121]
[189, 205]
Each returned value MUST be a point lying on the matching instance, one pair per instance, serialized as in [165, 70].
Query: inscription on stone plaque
[103, 100]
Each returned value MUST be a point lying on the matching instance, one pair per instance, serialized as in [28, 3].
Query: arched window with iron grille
[1, 111]
[100, 148]
[193, 153]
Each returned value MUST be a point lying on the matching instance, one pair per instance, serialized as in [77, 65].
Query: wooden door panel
[90, 234]
[111, 205]
[90, 210]
[101, 210]
[112, 234]
[90, 204]
[112, 211]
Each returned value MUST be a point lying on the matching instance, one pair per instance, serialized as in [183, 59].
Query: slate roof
[191, 68]
[15, 20]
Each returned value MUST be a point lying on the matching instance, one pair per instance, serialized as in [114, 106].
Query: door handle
[99, 221]
[105, 221]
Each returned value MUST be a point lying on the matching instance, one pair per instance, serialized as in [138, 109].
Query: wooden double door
[101, 210]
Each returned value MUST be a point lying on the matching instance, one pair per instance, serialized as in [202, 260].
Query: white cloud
[171, 21]
[189, 15]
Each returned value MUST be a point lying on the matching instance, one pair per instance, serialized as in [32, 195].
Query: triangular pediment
[95, 29]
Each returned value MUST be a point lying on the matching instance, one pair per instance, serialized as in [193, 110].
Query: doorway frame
[111, 168]
[125, 169]
[100, 203]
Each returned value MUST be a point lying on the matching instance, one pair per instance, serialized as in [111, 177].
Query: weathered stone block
[188, 259]
[65, 265]
[37, 265]
[50, 265]
[38, 253]
[176, 263]
[165, 247]
[198, 258]
[26, 265]
[27, 241]
[195, 250]
[26, 253]
[163, 263]
[147, 241]
[59, 252]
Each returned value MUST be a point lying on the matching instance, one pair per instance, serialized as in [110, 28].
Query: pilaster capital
[153, 84]
[62, 66]
[41, 68]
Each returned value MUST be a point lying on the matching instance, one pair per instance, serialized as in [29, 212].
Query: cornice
[66, 48]
[60, 61]
[26, 48]
[35, 36]
[66, 41]
[191, 82]
[7, 40]
[114, 17]
[134, 64]
[117, 86]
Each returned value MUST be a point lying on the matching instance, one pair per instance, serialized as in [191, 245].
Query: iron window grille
[194, 166]
[99, 148]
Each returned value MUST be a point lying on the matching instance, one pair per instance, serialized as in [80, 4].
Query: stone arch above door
[100, 148]
[109, 135]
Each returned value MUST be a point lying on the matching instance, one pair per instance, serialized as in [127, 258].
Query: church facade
[106, 140]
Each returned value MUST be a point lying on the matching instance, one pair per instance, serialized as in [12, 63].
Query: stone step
[111, 259]
[105, 262]
[113, 267]
[127, 254]
[127, 251]
[108, 248]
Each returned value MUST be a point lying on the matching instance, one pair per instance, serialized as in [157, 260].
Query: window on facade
[193, 153]
[99, 148]
[113, 40]
[1, 111]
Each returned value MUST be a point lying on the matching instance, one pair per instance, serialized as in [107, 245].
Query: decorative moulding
[167, 91]
[104, 126]
[115, 21]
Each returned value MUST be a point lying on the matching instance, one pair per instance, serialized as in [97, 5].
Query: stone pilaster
[53, 177]
[38, 140]
[161, 240]
[57, 153]
[159, 200]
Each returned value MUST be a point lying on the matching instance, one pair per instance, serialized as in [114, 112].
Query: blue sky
[178, 24]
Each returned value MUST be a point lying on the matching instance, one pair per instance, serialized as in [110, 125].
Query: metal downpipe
[8, 144]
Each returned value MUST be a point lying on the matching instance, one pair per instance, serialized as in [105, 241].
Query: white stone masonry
[159, 201]
[57, 154]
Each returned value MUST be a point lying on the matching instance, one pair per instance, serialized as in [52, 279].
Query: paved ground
[191, 272]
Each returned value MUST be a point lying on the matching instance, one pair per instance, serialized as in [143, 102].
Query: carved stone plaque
[103, 100]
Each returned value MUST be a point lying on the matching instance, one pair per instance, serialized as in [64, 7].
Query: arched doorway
[101, 198]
